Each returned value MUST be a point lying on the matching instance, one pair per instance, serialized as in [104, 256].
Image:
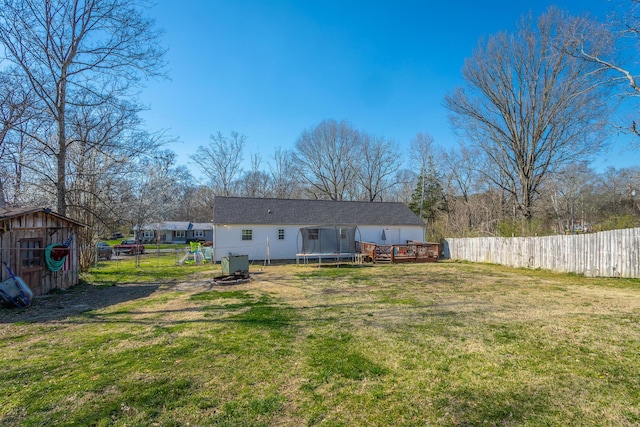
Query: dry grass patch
[436, 344]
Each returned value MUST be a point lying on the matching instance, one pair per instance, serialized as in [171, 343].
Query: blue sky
[270, 69]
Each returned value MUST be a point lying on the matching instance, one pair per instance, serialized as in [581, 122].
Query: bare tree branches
[326, 155]
[15, 109]
[221, 161]
[379, 164]
[255, 183]
[622, 33]
[78, 53]
[284, 175]
[530, 106]
[422, 150]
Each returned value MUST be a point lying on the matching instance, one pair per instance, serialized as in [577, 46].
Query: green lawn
[149, 246]
[444, 344]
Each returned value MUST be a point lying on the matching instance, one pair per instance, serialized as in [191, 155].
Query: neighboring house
[242, 226]
[25, 233]
[174, 232]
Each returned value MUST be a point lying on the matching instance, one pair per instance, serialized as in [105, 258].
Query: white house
[260, 227]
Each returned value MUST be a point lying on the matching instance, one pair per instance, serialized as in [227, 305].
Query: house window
[247, 234]
[31, 253]
[181, 234]
[148, 234]
[281, 234]
[198, 233]
[314, 234]
[343, 233]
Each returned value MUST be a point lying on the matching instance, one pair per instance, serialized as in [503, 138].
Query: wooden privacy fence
[613, 253]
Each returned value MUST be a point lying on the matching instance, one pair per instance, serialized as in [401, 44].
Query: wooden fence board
[613, 253]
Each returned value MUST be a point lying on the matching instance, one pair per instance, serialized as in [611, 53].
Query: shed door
[31, 262]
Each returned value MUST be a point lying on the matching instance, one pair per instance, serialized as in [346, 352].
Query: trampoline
[329, 242]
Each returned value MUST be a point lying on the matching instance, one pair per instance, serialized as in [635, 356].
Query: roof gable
[259, 211]
[8, 213]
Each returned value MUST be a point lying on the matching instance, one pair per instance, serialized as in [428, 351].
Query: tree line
[448, 188]
[538, 104]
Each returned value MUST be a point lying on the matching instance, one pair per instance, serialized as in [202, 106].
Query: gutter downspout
[213, 248]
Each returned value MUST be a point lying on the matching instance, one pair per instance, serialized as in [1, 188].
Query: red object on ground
[58, 252]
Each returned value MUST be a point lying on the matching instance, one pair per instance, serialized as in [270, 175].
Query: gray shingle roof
[247, 210]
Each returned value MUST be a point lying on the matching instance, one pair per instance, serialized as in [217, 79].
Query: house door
[31, 263]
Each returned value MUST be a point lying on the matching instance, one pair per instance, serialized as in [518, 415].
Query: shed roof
[260, 211]
[8, 213]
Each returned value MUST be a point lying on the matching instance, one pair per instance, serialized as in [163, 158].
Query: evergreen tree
[428, 198]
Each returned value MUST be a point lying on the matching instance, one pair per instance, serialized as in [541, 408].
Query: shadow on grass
[79, 299]
[268, 315]
[478, 405]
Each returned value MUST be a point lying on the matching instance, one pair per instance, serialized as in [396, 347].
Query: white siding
[228, 239]
[393, 234]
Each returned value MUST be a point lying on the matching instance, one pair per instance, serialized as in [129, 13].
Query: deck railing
[410, 252]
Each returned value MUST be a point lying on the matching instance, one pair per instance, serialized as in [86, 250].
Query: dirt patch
[62, 304]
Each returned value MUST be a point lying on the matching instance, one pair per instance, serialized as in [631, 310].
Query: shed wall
[46, 229]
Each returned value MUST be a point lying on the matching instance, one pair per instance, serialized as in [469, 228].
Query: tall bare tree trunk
[529, 106]
[61, 157]
[3, 201]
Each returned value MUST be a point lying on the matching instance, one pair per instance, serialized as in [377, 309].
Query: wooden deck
[409, 252]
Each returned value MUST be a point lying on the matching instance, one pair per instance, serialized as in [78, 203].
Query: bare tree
[622, 35]
[615, 192]
[530, 107]
[327, 156]
[15, 105]
[197, 204]
[566, 193]
[283, 175]
[221, 161]
[462, 171]
[255, 183]
[155, 189]
[422, 150]
[462, 181]
[107, 142]
[379, 164]
[403, 191]
[64, 47]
